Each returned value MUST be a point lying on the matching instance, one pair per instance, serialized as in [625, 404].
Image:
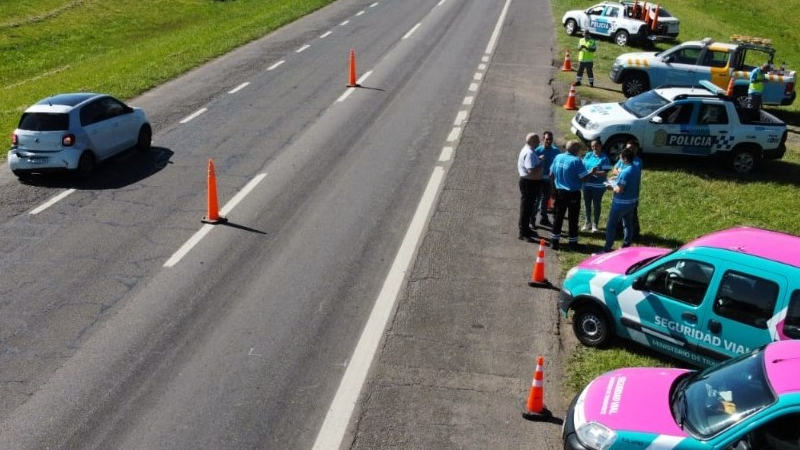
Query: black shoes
[545, 222]
[555, 245]
[527, 237]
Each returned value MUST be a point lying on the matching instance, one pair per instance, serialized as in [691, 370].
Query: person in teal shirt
[546, 153]
[755, 90]
[593, 186]
[568, 175]
[626, 197]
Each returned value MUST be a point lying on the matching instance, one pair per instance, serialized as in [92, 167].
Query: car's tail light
[68, 140]
[14, 139]
[789, 88]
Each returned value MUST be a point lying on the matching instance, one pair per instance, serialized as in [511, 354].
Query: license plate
[37, 160]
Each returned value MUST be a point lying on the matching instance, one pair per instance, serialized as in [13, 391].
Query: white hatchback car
[74, 132]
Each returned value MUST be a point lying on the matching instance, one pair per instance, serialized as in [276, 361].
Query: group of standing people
[545, 171]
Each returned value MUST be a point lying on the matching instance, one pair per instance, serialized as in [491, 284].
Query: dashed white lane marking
[349, 91]
[468, 100]
[344, 23]
[373, 5]
[481, 66]
[275, 66]
[454, 134]
[360, 13]
[325, 34]
[302, 49]
[193, 115]
[460, 118]
[239, 87]
[447, 153]
[51, 202]
[338, 416]
[485, 59]
[411, 31]
[473, 87]
[478, 76]
[441, 2]
[203, 231]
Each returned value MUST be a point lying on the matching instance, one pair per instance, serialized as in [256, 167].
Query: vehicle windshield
[644, 104]
[639, 264]
[712, 400]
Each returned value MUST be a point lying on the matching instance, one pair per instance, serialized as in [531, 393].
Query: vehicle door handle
[689, 317]
[714, 326]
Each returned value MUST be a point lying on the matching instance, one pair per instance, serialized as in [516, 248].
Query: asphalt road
[242, 343]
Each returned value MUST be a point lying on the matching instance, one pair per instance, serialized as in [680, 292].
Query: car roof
[67, 99]
[671, 92]
[767, 244]
[782, 363]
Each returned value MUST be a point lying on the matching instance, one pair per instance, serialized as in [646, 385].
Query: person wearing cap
[529, 168]
[594, 187]
[546, 152]
[755, 91]
[568, 175]
[587, 46]
[626, 197]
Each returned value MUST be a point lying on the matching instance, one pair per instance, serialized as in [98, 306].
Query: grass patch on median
[121, 47]
[685, 198]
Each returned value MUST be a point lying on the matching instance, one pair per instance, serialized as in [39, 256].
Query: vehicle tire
[621, 37]
[86, 165]
[570, 27]
[145, 137]
[743, 159]
[613, 147]
[740, 97]
[22, 175]
[591, 326]
[634, 83]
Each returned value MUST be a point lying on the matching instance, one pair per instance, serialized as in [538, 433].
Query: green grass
[685, 198]
[121, 47]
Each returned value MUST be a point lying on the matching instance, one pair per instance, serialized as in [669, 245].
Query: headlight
[592, 125]
[571, 272]
[596, 436]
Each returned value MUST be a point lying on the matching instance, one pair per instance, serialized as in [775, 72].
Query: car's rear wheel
[86, 164]
[591, 326]
[621, 37]
[634, 83]
[614, 146]
[570, 27]
[743, 160]
[22, 175]
[145, 137]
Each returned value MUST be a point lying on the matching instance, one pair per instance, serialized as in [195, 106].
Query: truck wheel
[621, 37]
[613, 147]
[743, 160]
[570, 27]
[634, 83]
[591, 326]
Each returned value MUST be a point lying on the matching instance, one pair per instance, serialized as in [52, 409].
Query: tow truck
[718, 62]
[624, 22]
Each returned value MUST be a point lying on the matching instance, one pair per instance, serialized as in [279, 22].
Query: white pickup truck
[618, 20]
[698, 121]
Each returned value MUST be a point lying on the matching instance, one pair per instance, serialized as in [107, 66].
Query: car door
[93, 121]
[712, 119]
[672, 310]
[743, 309]
[116, 121]
[790, 329]
[607, 23]
[669, 129]
[769, 431]
[714, 66]
[591, 18]
[682, 65]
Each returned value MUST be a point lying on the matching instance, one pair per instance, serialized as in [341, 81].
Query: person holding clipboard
[594, 186]
[626, 196]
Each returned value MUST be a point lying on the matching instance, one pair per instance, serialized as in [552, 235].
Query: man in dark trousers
[568, 173]
[529, 169]
[546, 153]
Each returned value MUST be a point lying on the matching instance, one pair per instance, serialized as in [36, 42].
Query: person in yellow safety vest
[756, 89]
[587, 46]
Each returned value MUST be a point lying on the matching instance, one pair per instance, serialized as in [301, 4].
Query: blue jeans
[619, 212]
[592, 198]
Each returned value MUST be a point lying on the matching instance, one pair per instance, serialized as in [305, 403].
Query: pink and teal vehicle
[718, 296]
[751, 402]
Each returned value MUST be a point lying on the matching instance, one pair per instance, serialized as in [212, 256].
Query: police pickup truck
[692, 61]
[698, 121]
[622, 22]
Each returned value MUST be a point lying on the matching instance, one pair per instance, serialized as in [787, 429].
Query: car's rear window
[44, 122]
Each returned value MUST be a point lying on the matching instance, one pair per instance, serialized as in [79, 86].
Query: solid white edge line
[302, 49]
[360, 13]
[454, 134]
[338, 416]
[441, 2]
[364, 77]
[411, 31]
[447, 153]
[239, 87]
[193, 115]
[55, 199]
[460, 118]
[499, 26]
[373, 5]
[274, 66]
[350, 90]
[203, 231]
[344, 23]
[325, 34]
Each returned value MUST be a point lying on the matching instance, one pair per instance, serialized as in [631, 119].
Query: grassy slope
[682, 199]
[122, 47]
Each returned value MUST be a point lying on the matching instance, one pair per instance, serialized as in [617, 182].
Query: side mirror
[639, 284]
[667, 59]
[792, 331]
[657, 120]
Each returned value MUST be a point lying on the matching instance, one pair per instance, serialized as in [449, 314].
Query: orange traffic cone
[729, 91]
[567, 66]
[654, 23]
[570, 103]
[212, 214]
[537, 274]
[534, 407]
[352, 82]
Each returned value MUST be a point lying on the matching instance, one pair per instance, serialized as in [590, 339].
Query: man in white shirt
[529, 169]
